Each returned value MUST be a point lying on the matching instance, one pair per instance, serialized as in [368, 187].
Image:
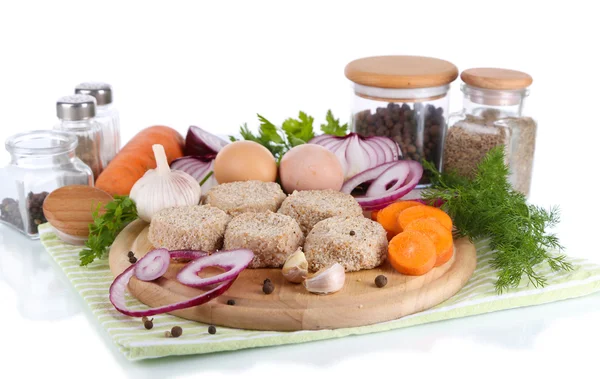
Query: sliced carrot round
[424, 211]
[441, 237]
[412, 253]
[388, 216]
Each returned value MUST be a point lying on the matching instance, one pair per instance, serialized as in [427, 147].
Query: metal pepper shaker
[107, 115]
[76, 114]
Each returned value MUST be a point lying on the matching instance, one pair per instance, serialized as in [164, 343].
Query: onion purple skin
[199, 142]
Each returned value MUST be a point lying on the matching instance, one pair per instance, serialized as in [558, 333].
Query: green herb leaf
[103, 231]
[299, 131]
[333, 126]
[268, 131]
[486, 206]
[206, 178]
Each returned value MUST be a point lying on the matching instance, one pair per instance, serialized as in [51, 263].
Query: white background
[216, 65]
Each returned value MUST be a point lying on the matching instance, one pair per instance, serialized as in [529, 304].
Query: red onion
[391, 181]
[198, 167]
[233, 261]
[357, 153]
[201, 143]
[153, 265]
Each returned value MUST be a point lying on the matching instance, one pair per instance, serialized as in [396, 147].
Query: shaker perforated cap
[76, 107]
[101, 91]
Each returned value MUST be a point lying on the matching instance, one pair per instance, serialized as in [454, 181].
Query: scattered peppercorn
[267, 280]
[148, 324]
[130, 254]
[167, 334]
[176, 331]
[268, 287]
[144, 319]
[230, 302]
[212, 329]
[352, 232]
[380, 281]
[132, 260]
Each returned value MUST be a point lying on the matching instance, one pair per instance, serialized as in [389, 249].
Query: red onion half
[387, 183]
[198, 167]
[357, 153]
[201, 143]
[233, 261]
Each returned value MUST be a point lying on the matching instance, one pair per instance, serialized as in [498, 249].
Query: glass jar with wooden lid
[405, 98]
[492, 115]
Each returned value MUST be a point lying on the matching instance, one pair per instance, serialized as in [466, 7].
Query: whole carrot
[137, 157]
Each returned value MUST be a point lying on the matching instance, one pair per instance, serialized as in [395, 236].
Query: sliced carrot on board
[388, 216]
[424, 211]
[441, 237]
[412, 253]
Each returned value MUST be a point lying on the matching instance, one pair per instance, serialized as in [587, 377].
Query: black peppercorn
[268, 287]
[230, 302]
[148, 324]
[267, 280]
[132, 260]
[380, 281]
[130, 254]
[352, 232]
[212, 329]
[176, 331]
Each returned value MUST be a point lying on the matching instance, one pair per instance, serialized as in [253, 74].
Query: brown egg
[310, 167]
[245, 160]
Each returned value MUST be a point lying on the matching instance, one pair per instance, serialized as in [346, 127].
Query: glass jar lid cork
[101, 91]
[401, 71]
[496, 78]
[76, 107]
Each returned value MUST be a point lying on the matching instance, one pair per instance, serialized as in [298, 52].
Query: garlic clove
[295, 268]
[327, 280]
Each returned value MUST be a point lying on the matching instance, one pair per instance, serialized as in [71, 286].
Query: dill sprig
[486, 206]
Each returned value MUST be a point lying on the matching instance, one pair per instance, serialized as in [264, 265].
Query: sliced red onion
[153, 265]
[201, 143]
[383, 197]
[187, 255]
[390, 180]
[198, 167]
[119, 286]
[392, 145]
[233, 261]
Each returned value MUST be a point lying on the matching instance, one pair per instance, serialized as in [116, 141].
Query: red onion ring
[233, 261]
[153, 265]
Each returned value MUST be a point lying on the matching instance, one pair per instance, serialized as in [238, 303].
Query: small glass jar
[107, 115]
[76, 114]
[492, 115]
[406, 99]
[41, 161]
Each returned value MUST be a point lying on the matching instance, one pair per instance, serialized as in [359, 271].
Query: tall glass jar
[404, 98]
[107, 115]
[41, 161]
[76, 114]
[492, 115]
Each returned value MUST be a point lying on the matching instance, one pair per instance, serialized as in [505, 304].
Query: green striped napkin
[135, 342]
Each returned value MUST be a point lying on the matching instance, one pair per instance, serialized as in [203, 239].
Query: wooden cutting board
[290, 307]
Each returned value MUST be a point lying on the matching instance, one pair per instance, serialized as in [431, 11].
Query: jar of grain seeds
[404, 98]
[41, 161]
[492, 115]
[77, 116]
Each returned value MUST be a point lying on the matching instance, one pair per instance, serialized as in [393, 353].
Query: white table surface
[51, 331]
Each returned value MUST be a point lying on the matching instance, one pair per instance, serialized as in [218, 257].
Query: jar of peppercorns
[41, 161]
[405, 98]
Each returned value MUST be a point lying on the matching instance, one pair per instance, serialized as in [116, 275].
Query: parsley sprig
[119, 212]
[486, 206]
[291, 133]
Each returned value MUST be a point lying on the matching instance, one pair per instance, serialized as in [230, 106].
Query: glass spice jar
[492, 115]
[76, 114]
[41, 161]
[405, 98]
[107, 115]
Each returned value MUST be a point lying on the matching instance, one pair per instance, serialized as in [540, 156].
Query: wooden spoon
[70, 209]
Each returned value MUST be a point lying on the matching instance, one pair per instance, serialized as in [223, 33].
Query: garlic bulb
[295, 268]
[162, 188]
[327, 280]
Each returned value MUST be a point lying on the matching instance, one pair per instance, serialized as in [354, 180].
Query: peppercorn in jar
[406, 99]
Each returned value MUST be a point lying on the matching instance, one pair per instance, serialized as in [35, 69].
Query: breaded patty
[271, 236]
[194, 227]
[310, 207]
[251, 196]
[356, 243]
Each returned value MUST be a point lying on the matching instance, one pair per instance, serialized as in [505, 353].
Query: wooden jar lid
[496, 78]
[401, 71]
